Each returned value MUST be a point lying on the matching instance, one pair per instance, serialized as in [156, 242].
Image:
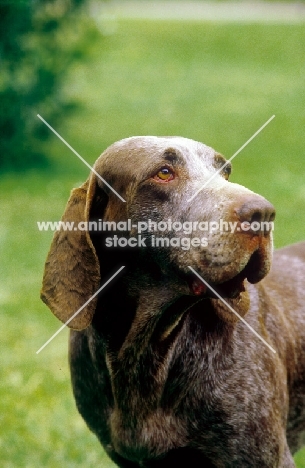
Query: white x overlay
[122, 199]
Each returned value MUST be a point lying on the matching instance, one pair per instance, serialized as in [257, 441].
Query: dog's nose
[256, 215]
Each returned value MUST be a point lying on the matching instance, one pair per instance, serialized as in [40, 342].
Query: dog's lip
[254, 271]
[233, 287]
[258, 266]
[197, 287]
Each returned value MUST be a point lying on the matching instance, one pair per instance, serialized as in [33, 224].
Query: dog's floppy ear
[72, 272]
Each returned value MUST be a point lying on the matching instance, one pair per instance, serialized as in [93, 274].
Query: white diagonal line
[232, 310]
[81, 158]
[79, 310]
[232, 157]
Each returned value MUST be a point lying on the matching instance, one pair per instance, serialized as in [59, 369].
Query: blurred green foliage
[38, 42]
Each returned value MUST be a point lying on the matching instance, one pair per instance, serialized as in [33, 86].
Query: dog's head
[180, 210]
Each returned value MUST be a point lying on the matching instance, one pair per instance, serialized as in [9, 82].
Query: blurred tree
[39, 39]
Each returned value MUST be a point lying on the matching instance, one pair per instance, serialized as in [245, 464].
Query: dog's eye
[165, 174]
[227, 170]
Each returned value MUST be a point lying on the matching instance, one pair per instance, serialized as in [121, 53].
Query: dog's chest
[149, 437]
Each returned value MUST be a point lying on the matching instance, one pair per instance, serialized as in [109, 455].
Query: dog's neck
[149, 335]
[145, 364]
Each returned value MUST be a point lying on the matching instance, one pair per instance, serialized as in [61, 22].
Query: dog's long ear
[72, 272]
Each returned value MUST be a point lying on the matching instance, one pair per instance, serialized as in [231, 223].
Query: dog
[163, 371]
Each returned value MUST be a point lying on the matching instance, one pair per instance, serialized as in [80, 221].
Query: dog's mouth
[256, 268]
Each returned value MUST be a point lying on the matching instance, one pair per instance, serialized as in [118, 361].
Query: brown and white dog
[162, 371]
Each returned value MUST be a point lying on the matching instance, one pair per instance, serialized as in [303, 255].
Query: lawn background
[213, 82]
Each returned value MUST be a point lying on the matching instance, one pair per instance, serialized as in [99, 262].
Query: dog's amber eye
[165, 174]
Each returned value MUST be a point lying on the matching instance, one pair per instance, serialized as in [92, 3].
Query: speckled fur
[161, 375]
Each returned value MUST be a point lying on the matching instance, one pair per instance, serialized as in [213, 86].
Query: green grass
[216, 83]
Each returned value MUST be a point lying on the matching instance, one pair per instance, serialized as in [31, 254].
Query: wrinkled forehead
[145, 151]
[156, 146]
